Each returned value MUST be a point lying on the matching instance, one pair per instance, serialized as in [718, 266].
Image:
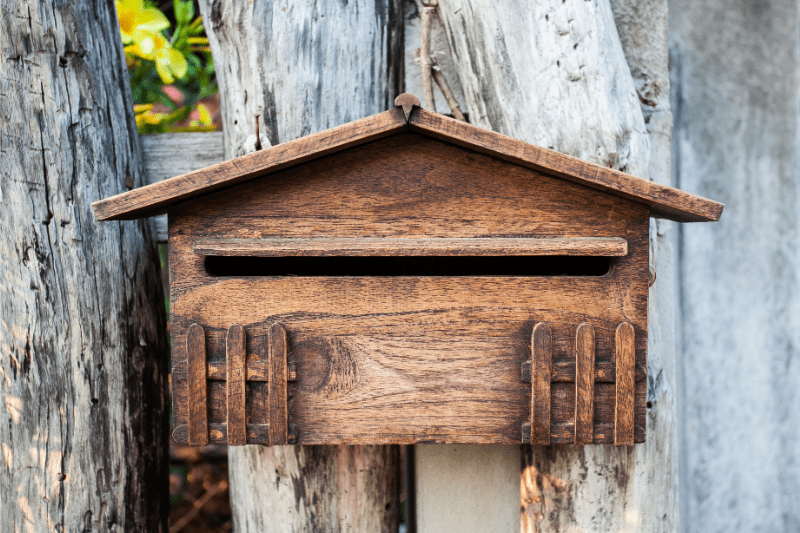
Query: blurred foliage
[175, 70]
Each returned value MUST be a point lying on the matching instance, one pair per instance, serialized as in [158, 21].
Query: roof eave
[664, 202]
[156, 198]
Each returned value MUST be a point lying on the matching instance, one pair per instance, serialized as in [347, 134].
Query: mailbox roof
[664, 202]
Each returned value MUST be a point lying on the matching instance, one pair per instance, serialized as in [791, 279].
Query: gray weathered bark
[551, 73]
[555, 74]
[303, 67]
[735, 77]
[83, 355]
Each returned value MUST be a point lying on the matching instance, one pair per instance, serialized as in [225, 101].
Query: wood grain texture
[371, 389]
[154, 199]
[560, 486]
[303, 67]
[664, 201]
[83, 346]
[235, 376]
[565, 372]
[542, 355]
[197, 399]
[624, 358]
[727, 314]
[167, 155]
[278, 408]
[359, 370]
[220, 434]
[365, 246]
[584, 384]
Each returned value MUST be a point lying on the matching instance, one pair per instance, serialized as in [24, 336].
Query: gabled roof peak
[664, 201]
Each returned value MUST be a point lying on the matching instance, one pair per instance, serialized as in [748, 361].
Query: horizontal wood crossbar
[259, 371]
[565, 371]
[328, 247]
[218, 433]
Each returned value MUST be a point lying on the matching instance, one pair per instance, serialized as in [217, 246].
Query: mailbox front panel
[376, 358]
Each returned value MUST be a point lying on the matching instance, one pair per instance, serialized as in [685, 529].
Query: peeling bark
[302, 67]
[83, 354]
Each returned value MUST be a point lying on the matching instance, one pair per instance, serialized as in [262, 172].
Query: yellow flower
[205, 117]
[170, 63]
[136, 21]
[145, 116]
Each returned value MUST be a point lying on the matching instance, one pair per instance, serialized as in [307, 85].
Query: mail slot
[407, 278]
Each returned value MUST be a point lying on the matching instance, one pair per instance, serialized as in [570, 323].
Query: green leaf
[184, 12]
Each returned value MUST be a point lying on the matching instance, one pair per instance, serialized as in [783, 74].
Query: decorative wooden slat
[564, 372]
[256, 371]
[542, 355]
[584, 384]
[563, 433]
[623, 413]
[368, 246]
[196, 365]
[235, 370]
[218, 433]
[278, 408]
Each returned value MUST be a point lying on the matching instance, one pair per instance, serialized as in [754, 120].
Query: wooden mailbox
[408, 278]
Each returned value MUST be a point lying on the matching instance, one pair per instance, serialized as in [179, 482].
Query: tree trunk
[83, 353]
[735, 73]
[555, 74]
[302, 67]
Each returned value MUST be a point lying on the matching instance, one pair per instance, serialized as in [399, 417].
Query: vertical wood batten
[198, 405]
[542, 355]
[235, 375]
[584, 384]
[625, 360]
[278, 409]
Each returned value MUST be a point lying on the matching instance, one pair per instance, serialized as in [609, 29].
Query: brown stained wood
[278, 408]
[542, 355]
[624, 413]
[365, 246]
[564, 372]
[562, 433]
[235, 369]
[396, 428]
[255, 371]
[428, 359]
[407, 101]
[665, 202]
[156, 198]
[198, 406]
[584, 384]
[218, 433]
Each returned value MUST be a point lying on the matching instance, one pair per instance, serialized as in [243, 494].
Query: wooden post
[522, 70]
[739, 290]
[302, 67]
[83, 352]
